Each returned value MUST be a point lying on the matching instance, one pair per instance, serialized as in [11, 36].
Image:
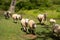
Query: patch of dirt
[30, 36]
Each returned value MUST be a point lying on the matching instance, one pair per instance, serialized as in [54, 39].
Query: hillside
[12, 31]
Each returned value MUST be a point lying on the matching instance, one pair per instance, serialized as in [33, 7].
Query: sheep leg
[30, 30]
[33, 32]
[40, 20]
[26, 30]
[15, 20]
[22, 27]
[6, 17]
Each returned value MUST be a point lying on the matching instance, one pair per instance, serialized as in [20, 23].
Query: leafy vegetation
[31, 4]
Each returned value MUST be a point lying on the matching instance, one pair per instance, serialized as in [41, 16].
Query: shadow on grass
[39, 24]
[47, 27]
[43, 35]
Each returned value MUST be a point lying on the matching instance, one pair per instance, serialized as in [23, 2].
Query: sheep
[16, 17]
[42, 18]
[19, 17]
[52, 21]
[7, 14]
[32, 26]
[24, 23]
[56, 29]
[10, 13]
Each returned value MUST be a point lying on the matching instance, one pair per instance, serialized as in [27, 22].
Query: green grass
[9, 30]
[12, 31]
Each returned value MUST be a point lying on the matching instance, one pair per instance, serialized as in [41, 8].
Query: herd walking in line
[29, 25]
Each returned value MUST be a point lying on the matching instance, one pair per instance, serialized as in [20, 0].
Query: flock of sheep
[31, 23]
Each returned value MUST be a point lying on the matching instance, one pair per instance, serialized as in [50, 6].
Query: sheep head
[26, 20]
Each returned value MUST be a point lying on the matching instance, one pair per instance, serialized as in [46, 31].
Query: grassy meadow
[12, 31]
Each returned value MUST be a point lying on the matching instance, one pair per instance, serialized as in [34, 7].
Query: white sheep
[52, 21]
[56, 29]
[24, 23]
[19, 17]
[42, 18]
[7, 14]
[16, 17]
[32, 26]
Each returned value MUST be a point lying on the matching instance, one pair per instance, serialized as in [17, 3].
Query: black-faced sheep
[42, 18]
[32, 26]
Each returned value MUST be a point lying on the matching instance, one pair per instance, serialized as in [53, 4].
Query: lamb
[32, 26]
[24, 23]
[16, 17]
[52, 21]
[42, 18]
[7, 14]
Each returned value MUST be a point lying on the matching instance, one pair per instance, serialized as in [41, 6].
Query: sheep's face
[27, 20]
[20, 17]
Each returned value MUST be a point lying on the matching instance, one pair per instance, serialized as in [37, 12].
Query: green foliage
[33, 4]
[30, 4]
[56, 2]
[4, 4]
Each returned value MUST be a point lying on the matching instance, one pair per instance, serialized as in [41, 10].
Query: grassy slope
[12, 31]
